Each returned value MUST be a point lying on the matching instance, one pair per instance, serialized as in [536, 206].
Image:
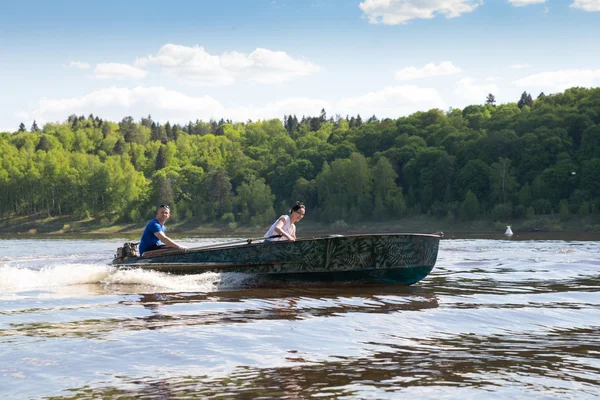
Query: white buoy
[508, 232]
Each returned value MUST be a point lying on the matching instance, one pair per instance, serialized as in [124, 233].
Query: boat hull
[405, 276]
[386, 258]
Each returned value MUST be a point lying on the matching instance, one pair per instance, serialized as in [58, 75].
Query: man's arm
[165, 239]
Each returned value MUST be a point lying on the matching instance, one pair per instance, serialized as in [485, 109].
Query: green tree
[163, 190]
[477, 116]
[218, 194]
[254, 203]
[590, 143]
[344, 189]
[427, 176]
[469, 208]
[43, 144]
[525, 100]
[306, 191]
[590, 171]
[503, 181]
[525, 195]
[475, 178]
[120, 146]
[387, 197]
[560, 180]
[192, 190]
[285, 177]
[161, 158]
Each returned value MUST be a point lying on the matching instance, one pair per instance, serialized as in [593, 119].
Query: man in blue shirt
[154, 237]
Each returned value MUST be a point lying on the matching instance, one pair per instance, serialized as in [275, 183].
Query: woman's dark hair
[297, 206]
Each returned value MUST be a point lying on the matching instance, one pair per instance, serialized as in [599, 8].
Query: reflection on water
[463, 366]
[222, 309]
[495, 319]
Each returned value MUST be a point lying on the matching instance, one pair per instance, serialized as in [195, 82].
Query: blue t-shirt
[148, 237]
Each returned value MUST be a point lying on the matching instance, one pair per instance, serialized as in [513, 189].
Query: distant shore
[56, 226]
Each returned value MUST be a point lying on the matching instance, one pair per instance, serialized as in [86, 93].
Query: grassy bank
[41, 225]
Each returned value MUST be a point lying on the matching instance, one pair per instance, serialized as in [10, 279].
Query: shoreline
[36, 226]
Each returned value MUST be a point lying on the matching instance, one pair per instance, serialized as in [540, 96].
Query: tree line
[532, 157]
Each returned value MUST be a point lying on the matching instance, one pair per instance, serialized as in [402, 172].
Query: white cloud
[520, 66]
[298, 106]
[78, 64]
[521, 3]
[118, 71]
[276, 66]
[474, 92]
[560, 80]
[195, 66]
[394, 12]
[587, 5]
[163, 104]
[392, 102]
[192, 64]
[22, 115]
[115, 103]
[428, 71]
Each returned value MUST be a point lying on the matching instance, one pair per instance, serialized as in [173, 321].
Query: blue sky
[259, 59]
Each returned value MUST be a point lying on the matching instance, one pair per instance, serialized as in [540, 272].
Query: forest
[516, 160]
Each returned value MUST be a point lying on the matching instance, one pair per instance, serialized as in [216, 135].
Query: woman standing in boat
[285, 225]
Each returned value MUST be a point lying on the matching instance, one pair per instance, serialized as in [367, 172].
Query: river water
[496, 318]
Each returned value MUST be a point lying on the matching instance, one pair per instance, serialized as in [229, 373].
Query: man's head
[163, 213]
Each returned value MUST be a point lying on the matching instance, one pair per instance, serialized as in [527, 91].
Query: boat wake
[164, 282]
[17, 278]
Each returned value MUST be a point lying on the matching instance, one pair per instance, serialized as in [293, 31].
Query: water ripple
[495, 319]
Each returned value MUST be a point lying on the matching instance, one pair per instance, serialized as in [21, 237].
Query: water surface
[496, 318]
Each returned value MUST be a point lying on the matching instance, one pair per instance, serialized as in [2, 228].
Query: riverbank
[52, 226]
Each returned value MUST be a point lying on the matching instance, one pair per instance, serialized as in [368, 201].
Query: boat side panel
[382, 252]
[322, 255]
[266, 257]
[405, 276]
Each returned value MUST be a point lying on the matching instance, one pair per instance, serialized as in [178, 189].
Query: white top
[288, 227]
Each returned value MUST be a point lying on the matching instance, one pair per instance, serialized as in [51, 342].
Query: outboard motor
[129, 249]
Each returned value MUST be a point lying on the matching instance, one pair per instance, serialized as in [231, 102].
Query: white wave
[205, 282]
[153, 279]
[16, 277]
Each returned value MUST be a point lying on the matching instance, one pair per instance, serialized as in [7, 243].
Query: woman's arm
[279, 229]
